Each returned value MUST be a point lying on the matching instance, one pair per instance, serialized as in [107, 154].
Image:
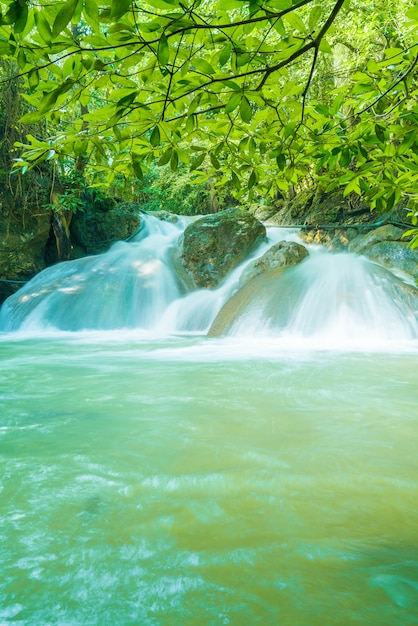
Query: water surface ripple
[194, 481]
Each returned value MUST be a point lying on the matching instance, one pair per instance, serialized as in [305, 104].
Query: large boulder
[383, 233]
[99, 226]
[282, 254]
[213, 245]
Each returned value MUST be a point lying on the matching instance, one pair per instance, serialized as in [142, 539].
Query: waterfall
[127, 287]
[330, 299]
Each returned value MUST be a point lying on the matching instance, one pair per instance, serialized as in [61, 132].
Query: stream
[152, 475]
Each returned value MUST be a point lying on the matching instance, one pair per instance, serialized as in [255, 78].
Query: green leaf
[295, 21]
[51, 98]
[231, 85]
[155, 137]
[203, 66]
[235, 181]
[214, 161]
[21, 59]
[281, 161]
[225, 54]
[183, 156]
[33, 78]
[149, 27]
[325, 47]
[174, 161]
[412, 13]
[390, 201]
[252, 179]
[63, 17]
[20, 23]
[165, 157]
[43, 27]
[12, 14]
[91, 10]
[136, 165]
[120, 7]
[31, 118]
[314, 17]
[380, 133]
[197, 161]
[233, 102]
[345, 158]
[163, 52]
[127, 100]
[245, 110]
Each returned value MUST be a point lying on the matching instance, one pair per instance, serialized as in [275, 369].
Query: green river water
[192, 481]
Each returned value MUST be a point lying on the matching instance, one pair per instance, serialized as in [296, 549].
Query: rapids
[152, 475]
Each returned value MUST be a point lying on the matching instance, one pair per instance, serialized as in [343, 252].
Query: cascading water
[328, 300]
[127, 287]
[151, 475]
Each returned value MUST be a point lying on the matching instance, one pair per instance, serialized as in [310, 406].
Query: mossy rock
[95, 229]
[282, 254]
[213, 245]
[23, 241]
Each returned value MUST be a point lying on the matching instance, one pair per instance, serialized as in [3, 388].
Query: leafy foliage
[259, 94]
[162, 189]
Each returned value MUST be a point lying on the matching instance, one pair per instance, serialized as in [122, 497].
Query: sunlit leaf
[63, 17]
[245, 110]
[163, 52]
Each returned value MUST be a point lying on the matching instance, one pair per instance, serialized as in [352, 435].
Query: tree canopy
[259, 94]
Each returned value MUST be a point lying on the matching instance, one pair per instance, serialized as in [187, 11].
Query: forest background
[190, 106]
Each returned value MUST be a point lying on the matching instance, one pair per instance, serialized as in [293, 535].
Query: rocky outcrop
[100, 225]
[282, 254]
[213, 245]
[382, 233]
[395, 255]
[385, 246]
[314, 207]
[23, 242]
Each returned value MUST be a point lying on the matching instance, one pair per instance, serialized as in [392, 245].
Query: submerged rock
[213, 245]
[282, 254]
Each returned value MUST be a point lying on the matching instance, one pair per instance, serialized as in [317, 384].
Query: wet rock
[394, 255]
[385, 246]
[213, 245]
[282, 254]
[96, 229]
[22, 248]
[315, 207]
[165, 216]
[383, 233]
[263, 212]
